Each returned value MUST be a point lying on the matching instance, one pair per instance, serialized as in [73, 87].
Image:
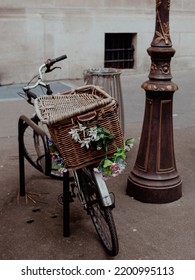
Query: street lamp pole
[154, 177]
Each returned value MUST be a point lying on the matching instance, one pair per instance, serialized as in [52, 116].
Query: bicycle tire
[36, 149]
[101, 216]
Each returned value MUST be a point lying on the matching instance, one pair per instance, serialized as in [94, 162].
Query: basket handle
[87, 117]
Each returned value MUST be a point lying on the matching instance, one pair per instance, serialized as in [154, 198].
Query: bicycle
[84, 183]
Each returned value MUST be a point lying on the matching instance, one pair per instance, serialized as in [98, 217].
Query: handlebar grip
[51, 62]
[62, 57]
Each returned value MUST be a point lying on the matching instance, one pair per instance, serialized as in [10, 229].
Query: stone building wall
[32, 31]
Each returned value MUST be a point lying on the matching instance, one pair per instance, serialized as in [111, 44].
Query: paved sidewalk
[146, 231]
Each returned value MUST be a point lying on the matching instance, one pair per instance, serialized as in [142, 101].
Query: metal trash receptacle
[109, 80]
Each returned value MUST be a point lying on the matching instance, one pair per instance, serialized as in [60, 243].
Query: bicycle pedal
[61, 198]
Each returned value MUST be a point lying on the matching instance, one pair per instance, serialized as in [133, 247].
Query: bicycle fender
[106, 199]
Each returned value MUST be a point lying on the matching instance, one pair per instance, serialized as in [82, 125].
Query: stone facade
[32, 31]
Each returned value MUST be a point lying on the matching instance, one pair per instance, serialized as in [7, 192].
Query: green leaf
[107, 163]
[129, 141]
[108, 171]
[120, 154]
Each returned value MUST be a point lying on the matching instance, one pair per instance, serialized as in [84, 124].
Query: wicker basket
[89, 105]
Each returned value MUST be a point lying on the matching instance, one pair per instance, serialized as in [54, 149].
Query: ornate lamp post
[154, 178]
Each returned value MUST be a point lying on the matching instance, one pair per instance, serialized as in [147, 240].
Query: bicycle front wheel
[101, 215]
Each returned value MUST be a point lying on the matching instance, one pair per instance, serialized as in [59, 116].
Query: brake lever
[51, 69]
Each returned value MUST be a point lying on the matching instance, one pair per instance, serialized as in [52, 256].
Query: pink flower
[96, 170]
[115, 174]
[114, 167]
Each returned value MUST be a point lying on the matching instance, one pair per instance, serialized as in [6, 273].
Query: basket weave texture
[88, 105]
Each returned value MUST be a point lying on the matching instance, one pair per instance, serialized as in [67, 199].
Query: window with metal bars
[119, 50]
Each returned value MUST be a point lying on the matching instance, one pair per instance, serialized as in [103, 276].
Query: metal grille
[119, 50]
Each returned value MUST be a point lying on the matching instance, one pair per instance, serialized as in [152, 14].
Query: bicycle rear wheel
[101, 215]
[35, 146]
[33, 142]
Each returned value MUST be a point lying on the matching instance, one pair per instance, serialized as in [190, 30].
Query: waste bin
[109, 80]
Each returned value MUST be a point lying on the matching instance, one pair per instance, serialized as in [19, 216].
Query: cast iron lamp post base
[154, 178]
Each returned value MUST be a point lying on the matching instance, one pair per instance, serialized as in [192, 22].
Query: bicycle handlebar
[47, 65]
[51, 62]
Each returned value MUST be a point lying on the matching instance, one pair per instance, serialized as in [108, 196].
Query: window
[119, 50]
